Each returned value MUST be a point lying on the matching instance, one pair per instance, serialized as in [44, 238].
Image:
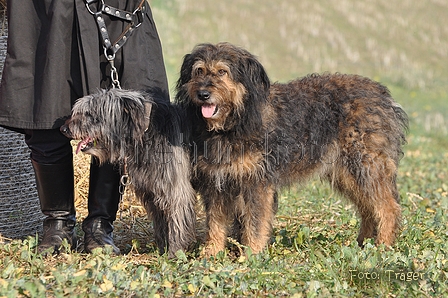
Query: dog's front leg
[258, 216]
[217, 223]
[181, 223]
[160, 223]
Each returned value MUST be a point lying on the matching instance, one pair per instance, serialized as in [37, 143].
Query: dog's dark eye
[199, 71]
[222, 72]
[89, 117]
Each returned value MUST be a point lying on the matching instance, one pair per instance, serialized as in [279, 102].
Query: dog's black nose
[203, 94]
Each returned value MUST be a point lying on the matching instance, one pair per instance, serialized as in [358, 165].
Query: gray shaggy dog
[145, 133]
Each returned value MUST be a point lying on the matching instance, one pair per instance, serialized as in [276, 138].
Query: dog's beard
[93, 146]
[215, 111]
[216, 117]
[101, 154]
[219, 116]
[223, 107]
[94, 149]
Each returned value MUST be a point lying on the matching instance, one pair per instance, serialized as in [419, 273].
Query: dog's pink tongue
[208, 110]
[82, 144]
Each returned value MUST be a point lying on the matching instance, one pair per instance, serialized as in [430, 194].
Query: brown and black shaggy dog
[146, 134]
[252, 137]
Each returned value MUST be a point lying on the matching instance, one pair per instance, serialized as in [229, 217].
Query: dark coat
[55, 56]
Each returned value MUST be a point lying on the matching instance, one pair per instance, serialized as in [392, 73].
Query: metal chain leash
[114, 75]
[135, 19]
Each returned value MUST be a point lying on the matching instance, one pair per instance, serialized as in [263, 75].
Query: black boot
[55, 187]
[104, 197]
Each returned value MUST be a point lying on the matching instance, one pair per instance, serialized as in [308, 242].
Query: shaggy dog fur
[139, 130]
[252, 137]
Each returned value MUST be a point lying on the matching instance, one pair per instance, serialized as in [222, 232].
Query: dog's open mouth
[85, 144]
[209, 110]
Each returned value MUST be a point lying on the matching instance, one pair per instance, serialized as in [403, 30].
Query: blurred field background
[402, 44]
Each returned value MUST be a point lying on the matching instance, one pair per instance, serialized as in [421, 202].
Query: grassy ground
[313, 251]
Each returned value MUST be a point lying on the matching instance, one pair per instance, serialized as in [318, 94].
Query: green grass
[313, 251]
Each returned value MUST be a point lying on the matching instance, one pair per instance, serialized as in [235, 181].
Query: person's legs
[52, 160]
[103, 201]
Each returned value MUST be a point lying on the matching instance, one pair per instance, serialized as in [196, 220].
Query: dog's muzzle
[209, 109]
[85, 145]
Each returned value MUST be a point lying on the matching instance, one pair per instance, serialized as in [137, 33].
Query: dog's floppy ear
[253, 74]
[135, 111]
[182, 97]
[185, 70]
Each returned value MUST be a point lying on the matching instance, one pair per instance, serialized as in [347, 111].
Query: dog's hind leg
[374, 192]
[388, 213]
[347, 185]
[380, 215]
[368, 225]
[386, 209]
[174, 226]
[381, 182]
[181, 220]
